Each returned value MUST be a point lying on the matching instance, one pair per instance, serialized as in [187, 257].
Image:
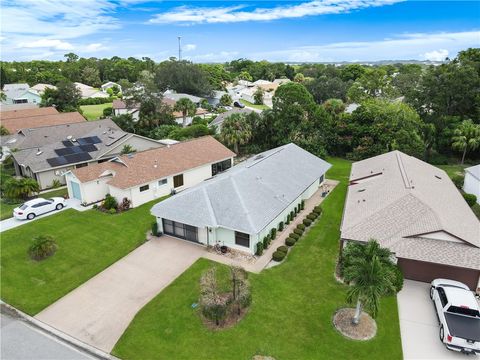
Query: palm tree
[371, 280]
[236, 131]
[21, 188]
[187, 107]
[368, 269]
[466, 137]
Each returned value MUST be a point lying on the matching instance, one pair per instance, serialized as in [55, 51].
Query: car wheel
[442, 333]
[431, 292]
[59, 206]
[31, 216]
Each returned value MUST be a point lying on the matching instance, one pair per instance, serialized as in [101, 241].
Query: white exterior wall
[154, 191]
[472, 186]
[45, 178]
[92, 191]
[119, 194]
[134, 112]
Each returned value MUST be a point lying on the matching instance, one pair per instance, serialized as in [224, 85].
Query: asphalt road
[21, 341]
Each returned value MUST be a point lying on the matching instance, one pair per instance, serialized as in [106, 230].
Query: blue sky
[218, 31]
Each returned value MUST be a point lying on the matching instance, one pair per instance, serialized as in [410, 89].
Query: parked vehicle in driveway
[459, 315]
[39, 206]
[238, 104]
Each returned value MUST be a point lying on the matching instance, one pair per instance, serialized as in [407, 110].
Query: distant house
[90, 92]
[20, 94]
[119, 107]
[177, 96]
[178, 114]
[471, 184]
[46, 153]
[218, 121]
[147, 175]
[40, 88]
[109, 85]
[214, 99]
[415, 210]
[239, 207]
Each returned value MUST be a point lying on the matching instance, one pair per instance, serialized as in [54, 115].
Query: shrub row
[290, 241]
[307, 222]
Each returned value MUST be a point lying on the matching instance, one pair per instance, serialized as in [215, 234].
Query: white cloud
[221, 56]
[403, 47]
[47, 43]
[436, 55]
[198, 15]
[94, 47]
[189, 47]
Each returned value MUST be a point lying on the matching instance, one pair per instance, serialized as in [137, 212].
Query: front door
[76, 190]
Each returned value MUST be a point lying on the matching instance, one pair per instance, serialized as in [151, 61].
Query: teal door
[76, 190]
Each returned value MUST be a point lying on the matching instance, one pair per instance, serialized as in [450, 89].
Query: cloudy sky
[217, 31]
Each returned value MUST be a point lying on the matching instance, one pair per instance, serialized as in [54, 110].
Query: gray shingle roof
[396, 199]
[248, 196]
[218, 121]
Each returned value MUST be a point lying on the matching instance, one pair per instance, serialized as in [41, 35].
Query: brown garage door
[426, 272]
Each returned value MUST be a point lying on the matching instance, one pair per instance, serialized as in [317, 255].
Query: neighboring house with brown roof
[147, 175]
[119, 107]
[415, 210]
[46, 153]
[14, 125]
[22, 113]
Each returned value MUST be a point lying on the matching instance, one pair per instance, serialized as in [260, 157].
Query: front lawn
[291, 314]
[93, 112]
[88, 242]
[255, 106]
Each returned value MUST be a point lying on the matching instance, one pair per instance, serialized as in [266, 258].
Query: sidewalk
[266, 257]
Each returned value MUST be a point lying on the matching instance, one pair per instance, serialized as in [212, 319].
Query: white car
[459, 315]
[39, 206]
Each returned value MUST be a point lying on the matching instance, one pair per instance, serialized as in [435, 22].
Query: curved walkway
[99, 311]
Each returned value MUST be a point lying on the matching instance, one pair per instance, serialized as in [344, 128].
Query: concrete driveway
[99, 311]
[419, 324]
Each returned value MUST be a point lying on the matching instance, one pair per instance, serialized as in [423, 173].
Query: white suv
[459, 315]
[39, 206]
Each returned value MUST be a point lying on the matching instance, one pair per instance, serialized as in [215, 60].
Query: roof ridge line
[209, 206]
[235, 187]
[403, 171]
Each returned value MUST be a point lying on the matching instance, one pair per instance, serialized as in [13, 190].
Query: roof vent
[258, 157]
[69, 137]
[39, 152]
[361, 190]
[438, 177]
[74, 140]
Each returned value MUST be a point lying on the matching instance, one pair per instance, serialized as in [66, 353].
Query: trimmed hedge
[312, 216]
[470, 199]
[301, 226]
[278, 256]
[280, 226]
[155, 229]
[292, 215]
[298, 231]
[289, 241]
[273, 233]
[259, 248]
[317, 209]
[266, 241]
[302, 205]
[282, 248]
[294, 236]
[307, 222]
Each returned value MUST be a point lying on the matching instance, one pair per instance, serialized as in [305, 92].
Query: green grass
[291, 314]
[249, 104]
[88, 242]
[93, 112]
[7, 209]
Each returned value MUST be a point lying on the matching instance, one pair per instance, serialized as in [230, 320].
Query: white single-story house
[471, 183]
[20, 94]
[40, 88]
[415, 210]
[119, 107]
[88, 91]
[239, 207]
[110, 84]
[218, 121]
[148, 175]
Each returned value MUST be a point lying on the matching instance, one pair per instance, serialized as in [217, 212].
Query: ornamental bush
[470, 199]
[282, 248]
[259, 251]
[266, 241]
[289, 241]
[273, 233]
[458, 181]
[155, 229]
[302, 205]
[43, 246]
[278, 256]
[280, 226]
[294, 236]
[298, 231]
[292, 215]
[110, 202]
[307, 222]
[312, 216]
[317, 209]
[301, 226]
[288, 220]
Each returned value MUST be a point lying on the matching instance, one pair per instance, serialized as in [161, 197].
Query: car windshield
[50, 200]
[22, 207]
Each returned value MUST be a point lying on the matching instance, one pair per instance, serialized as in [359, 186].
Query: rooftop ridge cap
[209, 206]
[264, 157]
[403, 172]
[235, 187]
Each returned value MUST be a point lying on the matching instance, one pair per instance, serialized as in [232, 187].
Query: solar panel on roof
[58, 161]
[89, 140]
[64, 151]
[74, 158]
[88, 148]
[67, 143]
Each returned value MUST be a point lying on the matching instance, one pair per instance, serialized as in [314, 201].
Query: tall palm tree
[187, 107]
[236, 131]
[371, 280]
[466, 137]
[355, 251]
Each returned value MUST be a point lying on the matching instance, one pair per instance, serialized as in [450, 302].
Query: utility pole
[179, 48]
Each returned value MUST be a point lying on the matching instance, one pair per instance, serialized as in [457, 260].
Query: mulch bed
[364, 330]
[230, 320]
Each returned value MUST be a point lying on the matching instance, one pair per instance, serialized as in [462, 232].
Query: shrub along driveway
[99, 311]
[291, 314]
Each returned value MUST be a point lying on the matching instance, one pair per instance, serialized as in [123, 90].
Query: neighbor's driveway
[99, 311]
[419, 324]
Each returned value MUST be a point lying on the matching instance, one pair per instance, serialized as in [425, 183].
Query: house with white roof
[87, 91]
[109, 85]
[471, 183]
[415, 210]
[20, 94]
[239, 207]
